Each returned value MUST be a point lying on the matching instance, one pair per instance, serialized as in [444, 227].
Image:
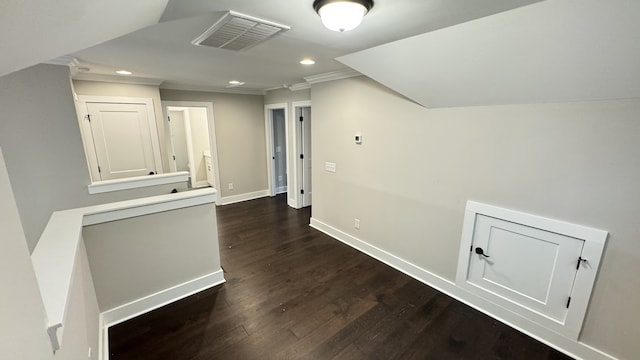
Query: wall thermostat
[358, 138]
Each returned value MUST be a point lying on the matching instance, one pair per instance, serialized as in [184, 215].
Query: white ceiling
[163, 52]
[552, 51]
[36, 31]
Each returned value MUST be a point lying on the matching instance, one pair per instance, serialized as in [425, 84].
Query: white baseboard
[151, 302]
[226, 200]
[568, 346]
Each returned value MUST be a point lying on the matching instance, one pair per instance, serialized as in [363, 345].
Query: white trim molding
[136, 182]
[331, 76]
[574, 348]
[56, 254]
[161, 298]
[244, 197]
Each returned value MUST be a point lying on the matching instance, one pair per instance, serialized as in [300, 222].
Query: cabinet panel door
[530, 267]
[122, 139]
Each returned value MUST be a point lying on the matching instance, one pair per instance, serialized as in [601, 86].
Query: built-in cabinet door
[525, 265]
[122, 139]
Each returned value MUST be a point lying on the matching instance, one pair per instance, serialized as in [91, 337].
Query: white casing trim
[574, 348]
[99, 187]
[161, 298]
[244, 197]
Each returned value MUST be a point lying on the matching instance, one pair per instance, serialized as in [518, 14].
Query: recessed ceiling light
[124, 72]
[307, 62]
[235, 82]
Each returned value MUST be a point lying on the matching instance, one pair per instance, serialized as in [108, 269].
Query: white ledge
[137, 182]
[55, 255]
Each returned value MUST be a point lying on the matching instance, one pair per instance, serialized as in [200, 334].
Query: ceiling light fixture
[307, 62]
[124, 72]
[342, 15]
[234, 83]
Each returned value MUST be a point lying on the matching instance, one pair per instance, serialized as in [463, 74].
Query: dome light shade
[342, 15]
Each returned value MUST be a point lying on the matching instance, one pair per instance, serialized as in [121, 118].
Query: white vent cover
[235, 31]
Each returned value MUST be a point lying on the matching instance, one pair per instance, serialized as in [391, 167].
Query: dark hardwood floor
[295, 293]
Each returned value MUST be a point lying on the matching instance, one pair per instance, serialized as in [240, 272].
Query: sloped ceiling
[37, 31]
[164, 51]
[552, 51]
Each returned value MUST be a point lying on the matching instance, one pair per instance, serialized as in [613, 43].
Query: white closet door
[122, 139]
[528, 266]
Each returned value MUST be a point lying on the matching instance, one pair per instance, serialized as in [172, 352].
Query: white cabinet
[539, 268]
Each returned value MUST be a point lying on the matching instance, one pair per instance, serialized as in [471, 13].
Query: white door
[527, 266]
[122, 138]
[305, 156]
[180, 158]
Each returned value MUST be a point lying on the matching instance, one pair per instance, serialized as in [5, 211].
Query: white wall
[409, 181]
[43, 148]
[140, 256]
[23, 334]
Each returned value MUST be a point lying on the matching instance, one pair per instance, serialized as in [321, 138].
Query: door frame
[213, 145]
[268, 125]
[297, 145]
[87, 134]
[189, 140]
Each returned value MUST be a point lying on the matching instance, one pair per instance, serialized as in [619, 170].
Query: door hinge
[88, 117]
[301, 156]
[471, 247]
[301, 118]
[168, 118]
[174, 157]
[568, 301]
[99, 170]
[580, 259]
[301, 191]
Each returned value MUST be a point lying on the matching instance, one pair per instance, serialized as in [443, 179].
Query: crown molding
[117, 79]
[300, 86]
[331, 76]
[66, 60]
[204, 88]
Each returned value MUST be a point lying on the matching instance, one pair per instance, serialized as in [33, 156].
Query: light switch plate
[330, 167]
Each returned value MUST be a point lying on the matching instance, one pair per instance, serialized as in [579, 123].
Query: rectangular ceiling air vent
[235, 31]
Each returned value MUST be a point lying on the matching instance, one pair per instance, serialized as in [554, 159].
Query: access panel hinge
[301, 191]
[301, 156]
[568, 301]
[580, 259]
[301, 118]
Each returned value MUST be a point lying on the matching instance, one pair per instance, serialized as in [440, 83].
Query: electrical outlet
[230, 186]
[356, 224]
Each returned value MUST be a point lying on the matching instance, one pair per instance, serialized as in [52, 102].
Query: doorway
[277, 148]
[191, 141]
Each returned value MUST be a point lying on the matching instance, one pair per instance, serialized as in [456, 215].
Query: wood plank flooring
[295, 293]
